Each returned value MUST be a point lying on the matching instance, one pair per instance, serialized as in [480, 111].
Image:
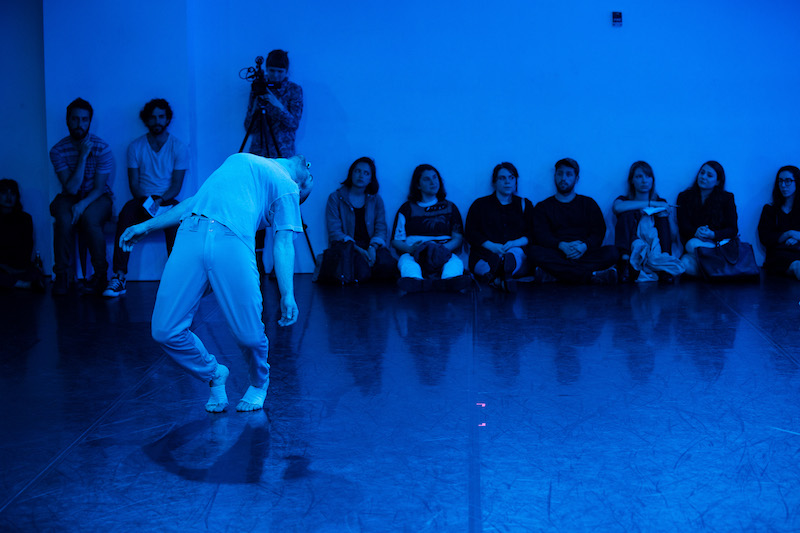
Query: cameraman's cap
[278, 59]
[568, 162]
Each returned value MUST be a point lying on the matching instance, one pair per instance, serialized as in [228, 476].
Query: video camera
[260, 83]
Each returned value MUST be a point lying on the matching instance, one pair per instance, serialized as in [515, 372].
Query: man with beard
[157, 164]
[568, 233]
[82, 162]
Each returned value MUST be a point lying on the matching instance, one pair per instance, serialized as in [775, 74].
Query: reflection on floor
[635, 408]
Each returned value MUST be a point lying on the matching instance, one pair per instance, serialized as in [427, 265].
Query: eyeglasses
[785, 181]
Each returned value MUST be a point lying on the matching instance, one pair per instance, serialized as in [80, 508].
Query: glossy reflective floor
[635, 408]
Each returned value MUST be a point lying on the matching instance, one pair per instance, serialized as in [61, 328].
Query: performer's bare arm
[283, 254]
[135, 233]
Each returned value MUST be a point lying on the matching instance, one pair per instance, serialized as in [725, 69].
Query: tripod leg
[308, 241]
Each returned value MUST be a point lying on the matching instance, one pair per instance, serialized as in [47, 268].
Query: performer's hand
[289, 311]
[131, 236]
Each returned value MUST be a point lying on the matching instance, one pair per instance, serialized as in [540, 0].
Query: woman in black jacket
[779, 226]
[706, 214]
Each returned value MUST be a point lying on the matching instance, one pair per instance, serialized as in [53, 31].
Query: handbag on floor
[732, 261]
[338, 264]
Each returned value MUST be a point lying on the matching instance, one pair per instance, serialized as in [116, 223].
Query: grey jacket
[341, 220]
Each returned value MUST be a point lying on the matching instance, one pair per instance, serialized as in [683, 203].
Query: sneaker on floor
[605, 277]
[116, 287]
[60, 285]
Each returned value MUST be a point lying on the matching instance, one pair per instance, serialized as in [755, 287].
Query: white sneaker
[116, 287]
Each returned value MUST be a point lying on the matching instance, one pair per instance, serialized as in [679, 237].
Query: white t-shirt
[155, 168]
[247, 193]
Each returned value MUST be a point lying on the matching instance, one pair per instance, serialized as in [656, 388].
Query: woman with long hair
[499, 228]
[357, 231]
[641, 198]
[706, 214]
[428, 233]
[779, 225]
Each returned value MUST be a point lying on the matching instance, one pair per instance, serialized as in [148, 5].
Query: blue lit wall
[459, 84]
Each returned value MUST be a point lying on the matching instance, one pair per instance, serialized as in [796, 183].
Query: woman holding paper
[641, 199]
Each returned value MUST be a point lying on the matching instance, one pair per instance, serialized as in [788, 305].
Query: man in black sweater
[569, 231]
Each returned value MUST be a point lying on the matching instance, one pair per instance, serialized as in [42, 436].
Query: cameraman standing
[282, 106]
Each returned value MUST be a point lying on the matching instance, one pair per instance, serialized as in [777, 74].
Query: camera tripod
[260, 121]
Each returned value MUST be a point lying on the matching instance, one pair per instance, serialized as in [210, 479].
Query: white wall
[23, 150]
[462, 85]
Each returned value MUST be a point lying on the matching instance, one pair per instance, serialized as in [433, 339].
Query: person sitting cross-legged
[357, 233]
[568, 233]
[779, 226]
[706, 214]
[498, 230]
[428, 233]
[651, 240]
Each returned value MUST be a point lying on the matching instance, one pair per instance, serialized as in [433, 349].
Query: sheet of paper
[153, 209]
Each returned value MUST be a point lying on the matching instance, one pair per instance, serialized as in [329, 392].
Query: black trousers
[133, 213]
[553, 261]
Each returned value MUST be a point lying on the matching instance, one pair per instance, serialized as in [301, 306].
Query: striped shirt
[65, 155]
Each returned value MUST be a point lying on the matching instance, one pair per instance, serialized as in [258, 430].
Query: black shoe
[542, 276]
[624, 271]
[411, 284]
[665, 278]
[61, 285]
[39, 284]
[457, 283]
[504, 285]
[605, 277]
[94, 286]
[509, 265]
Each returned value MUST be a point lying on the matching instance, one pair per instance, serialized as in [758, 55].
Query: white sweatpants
[207, 253]
[409, 268]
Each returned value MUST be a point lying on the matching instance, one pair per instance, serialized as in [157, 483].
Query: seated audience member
[568, 231]
[428, 234]
[630, 208]
[16, 242]
[779, 226]
[706, 214]
[357, 232]
[498, 228]
[82, 162]
[157, 164]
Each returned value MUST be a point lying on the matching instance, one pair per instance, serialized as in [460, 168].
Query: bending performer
[214, 248]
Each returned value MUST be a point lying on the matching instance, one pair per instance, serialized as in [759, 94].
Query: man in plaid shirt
[82, 162]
